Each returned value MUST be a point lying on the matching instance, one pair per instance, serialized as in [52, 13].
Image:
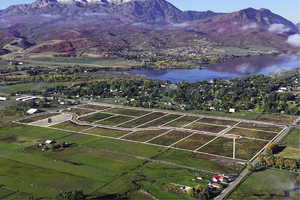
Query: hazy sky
[287, 8]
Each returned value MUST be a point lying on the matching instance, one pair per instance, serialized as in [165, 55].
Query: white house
[32, 111]
[3, 98]
[232, 110]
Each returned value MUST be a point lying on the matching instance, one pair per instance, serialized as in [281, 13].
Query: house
[232, 110]
[215, 185]
[3, 98]
[50, 142]
[32, 111]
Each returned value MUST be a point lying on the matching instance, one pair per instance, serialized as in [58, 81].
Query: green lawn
[267, 185]
[293, 138]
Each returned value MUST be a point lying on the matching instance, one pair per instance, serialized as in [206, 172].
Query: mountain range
[124, 27]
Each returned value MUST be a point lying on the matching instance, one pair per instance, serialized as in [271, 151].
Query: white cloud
[249, 26]
[294, 40]
[278, 28]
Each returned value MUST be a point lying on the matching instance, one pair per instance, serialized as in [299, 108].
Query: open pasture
[70, 126]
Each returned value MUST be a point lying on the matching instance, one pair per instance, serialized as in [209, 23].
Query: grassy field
[143, 120]
[267, 185]
[107, 132]
[252, 133]
[95, 117]
[182, 121]
[161, 121]
[247, 148]
[143, 136]
[194, 141]
[205, 127]
[96, 165]
[290, 152]
[170, 138]
[292, 139]
[68, 125]
[217, 121]
[261, 127]
[130, 112]
[220, 146]
[113, 121]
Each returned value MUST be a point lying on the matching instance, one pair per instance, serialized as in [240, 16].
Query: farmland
[122, 150]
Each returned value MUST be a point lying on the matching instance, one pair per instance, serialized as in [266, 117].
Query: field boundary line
[165, 133]
[172, 120]
[252, 129]
[127, 134]
[151, 121]
[135, 118]
[182, 139]
[190, 123]
[103, 119]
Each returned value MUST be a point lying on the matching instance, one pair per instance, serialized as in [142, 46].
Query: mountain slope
[120, 27]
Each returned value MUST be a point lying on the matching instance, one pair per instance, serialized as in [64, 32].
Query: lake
[238, 67]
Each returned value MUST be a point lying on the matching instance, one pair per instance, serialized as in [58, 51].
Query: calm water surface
[234, 68]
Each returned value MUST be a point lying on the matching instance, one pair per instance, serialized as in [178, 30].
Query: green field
[70, 126]
[107, 132]
[95, 117]
[170, 138]
[130, 112]
[247, 148]
[142, 120]
[252, 133]
[116, 120]
[205, 127]
[217, 121]
[194, 141]
[182, 121]
[96, 165]
[143, 136]
[267, 185]
[161, 121]
[221, 146]
[261, 127]
[290, 152]
[292, 139]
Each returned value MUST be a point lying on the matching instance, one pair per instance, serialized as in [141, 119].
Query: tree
[279, 162]
[71, 195]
